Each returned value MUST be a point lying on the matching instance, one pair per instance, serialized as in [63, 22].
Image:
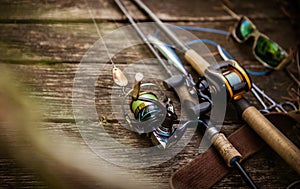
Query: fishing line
[99, 33]
[210, 30]
[118, 76]
[192, 28]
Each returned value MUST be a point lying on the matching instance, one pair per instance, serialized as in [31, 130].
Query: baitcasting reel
[232, 76]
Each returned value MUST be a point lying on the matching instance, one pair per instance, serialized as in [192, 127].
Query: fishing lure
[119, 77]
[168, 53]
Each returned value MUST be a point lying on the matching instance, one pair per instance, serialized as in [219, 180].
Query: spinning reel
[150, 115]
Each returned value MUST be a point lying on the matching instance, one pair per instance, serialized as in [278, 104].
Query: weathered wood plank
[62, 32]
[174, 10]
[13, 175]
[52, 43]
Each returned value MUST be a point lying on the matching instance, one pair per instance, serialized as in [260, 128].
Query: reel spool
[144, 107]
[230, 73]
[148, 113]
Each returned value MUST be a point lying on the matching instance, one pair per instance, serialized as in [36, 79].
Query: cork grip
[225, 148]
[273, 137]
[197, 62]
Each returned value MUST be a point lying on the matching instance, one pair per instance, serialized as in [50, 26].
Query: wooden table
[43, 42]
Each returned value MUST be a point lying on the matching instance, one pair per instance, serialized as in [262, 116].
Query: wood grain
[54, 43]
[73, 11]
[43, 42]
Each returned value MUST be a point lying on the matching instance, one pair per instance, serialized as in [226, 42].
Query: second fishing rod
[237, 82]
[219, 141]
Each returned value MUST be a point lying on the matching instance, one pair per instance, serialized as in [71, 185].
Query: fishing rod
[219, 141]
[237, 82]
[202, 86]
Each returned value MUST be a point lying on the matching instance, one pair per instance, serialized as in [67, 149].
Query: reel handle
[270, 134]
[190, 101]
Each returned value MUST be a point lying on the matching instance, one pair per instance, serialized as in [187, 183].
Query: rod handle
[196, 61]
[273, 137]
[226, 149]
